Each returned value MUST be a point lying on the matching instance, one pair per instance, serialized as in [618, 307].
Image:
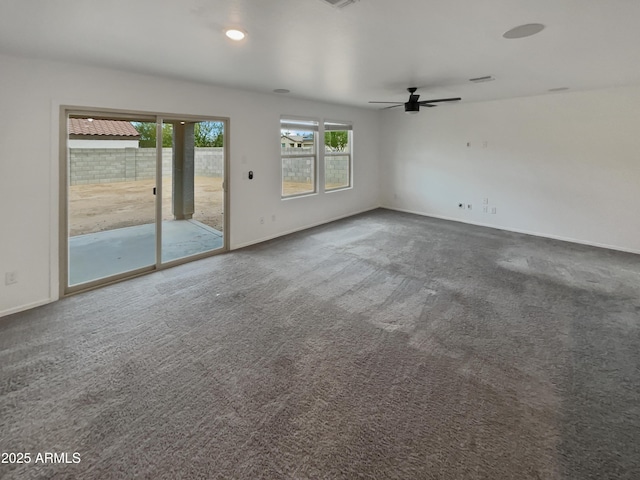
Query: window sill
[300, 195]
[339, 189]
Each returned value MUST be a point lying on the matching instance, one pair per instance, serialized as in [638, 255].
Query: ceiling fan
[413, 105]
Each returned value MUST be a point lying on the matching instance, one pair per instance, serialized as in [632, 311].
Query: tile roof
[118, 128]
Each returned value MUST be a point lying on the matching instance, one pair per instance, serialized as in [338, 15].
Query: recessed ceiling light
[281, 90]
[235, 34]
[559, 89]
[522, 31]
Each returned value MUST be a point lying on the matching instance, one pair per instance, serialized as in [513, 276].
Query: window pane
[336, 171]
[337, 160]
[298, 175]
[297, 142]
[192, 195]
[337, 141]
[298, 150]
[111, 207]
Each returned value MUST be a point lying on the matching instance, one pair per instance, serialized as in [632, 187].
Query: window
[337, 155]
[298, 162]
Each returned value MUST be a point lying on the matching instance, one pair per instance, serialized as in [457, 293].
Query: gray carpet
[383, 346]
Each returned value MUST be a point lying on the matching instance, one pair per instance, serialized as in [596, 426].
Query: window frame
[330, 126]
[301, 124]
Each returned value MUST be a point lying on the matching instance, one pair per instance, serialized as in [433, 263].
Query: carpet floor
[382, 346]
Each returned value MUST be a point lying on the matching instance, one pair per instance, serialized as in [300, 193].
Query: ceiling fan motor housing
[412, 107]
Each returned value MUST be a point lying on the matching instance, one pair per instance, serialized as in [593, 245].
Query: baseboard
[516, 230]
[22, 308]
[299, 229]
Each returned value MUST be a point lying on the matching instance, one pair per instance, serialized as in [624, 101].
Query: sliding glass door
[142, 193]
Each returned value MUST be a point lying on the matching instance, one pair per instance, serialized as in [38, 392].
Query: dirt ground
[106, 206]
[293, 188]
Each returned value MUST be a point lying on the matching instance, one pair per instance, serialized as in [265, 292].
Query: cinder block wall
[297, 169]
[336, 170]
[106, 165]
[301, 169]
[98, 165]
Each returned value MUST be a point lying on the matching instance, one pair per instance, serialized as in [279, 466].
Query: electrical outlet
[485, 201]
[485, 209]
[494, 210]
[10, 278]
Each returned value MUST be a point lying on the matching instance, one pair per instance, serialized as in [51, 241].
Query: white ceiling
[371, 50]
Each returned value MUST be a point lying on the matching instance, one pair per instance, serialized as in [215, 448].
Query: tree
[147, 131]
[206, 134]
[167, 135]
[337, 140]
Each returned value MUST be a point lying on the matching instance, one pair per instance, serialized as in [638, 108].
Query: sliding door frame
[63, 199]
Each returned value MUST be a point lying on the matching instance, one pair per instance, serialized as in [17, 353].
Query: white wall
[31, 93]
[102, 143]
[559, 165]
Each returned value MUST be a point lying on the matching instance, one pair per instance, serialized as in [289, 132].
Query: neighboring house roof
[293, 138]
[297, 138]
[83, 127]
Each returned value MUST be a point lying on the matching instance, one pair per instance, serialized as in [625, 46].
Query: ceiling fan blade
[392, 106]
[399, 103]
[441, 100]
[426, 105]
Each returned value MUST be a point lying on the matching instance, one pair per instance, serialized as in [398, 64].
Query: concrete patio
[103, 254]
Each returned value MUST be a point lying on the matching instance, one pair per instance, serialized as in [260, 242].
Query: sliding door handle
[154, 190]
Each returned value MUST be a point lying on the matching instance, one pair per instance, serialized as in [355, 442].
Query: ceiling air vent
[340, 3]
